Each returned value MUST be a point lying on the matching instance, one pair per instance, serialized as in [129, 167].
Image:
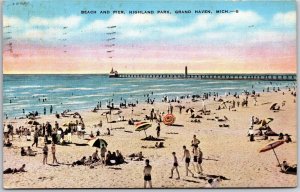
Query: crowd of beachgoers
[36, 135]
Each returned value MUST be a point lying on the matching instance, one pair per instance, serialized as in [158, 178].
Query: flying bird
[110, 27]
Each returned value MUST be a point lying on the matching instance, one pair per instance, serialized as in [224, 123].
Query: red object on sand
[272, 145]
[169, 119]
[139, 123]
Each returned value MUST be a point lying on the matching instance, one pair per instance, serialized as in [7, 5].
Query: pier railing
[265, 77]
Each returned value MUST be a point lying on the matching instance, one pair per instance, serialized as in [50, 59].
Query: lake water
[77, 92]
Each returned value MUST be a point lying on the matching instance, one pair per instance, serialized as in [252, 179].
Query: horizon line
[140, 73]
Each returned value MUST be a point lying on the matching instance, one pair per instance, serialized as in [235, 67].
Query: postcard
[149, 94]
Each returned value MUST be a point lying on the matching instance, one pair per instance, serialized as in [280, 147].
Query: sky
[45, 37]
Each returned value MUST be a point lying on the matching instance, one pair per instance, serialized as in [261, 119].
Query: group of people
[105, 157]
[264, 131]
[197, 157]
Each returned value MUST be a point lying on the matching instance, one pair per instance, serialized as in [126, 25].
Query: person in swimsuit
[103, 151]
[187, 156]
[200, 158]
[195, 156]
[45, 152]
[10, 170]
[53, 150]
[175, 166]
[147, 174]
[95, 156]
[195, 141]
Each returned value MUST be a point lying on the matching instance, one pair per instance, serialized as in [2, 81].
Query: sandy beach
[227, 151]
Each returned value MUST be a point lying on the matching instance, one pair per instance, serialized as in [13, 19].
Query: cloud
[236, 19]
[209, 22]
[12, 21]
[132, 26]
[284, 19]
[72, 21]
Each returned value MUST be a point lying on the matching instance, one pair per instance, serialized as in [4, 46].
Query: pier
[263, 77]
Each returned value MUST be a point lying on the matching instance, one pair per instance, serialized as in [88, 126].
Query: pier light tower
[186, 72]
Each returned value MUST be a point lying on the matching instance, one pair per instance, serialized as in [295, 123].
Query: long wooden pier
[264, 77]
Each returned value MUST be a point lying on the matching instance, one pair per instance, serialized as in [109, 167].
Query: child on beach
[175, 166]
[147, 174]
[187, 156]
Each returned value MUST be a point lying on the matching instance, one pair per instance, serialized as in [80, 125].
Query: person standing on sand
[35, 138]
[102, 153]
[196, 154]
[53, 150]
[147, 174]
[195, 141]
[158, 130]
[45, 152]
[200, 158]
[187, 156]
[175, 166]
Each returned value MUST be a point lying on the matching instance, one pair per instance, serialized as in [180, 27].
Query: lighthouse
[186, 72]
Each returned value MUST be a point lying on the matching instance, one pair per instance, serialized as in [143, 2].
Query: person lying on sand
[287, 168]
[10, 170]
[139, 156]
[79, 162]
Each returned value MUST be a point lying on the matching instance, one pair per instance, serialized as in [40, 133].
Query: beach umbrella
[97, 143]
[169, 119]
[139, 123]
[272, 146]
[143, 127]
